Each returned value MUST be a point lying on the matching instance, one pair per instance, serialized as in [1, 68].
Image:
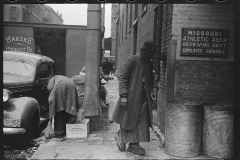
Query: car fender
[21, 108]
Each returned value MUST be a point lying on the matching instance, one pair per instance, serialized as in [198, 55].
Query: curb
[159, 134]
[38, 151]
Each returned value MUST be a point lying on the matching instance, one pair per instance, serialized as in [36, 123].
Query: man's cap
[149, 47]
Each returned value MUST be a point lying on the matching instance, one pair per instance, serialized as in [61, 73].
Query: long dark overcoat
[63, 96]
[130, 82]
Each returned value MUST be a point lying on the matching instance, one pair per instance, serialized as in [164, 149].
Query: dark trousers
[106, 72]
[60, 120]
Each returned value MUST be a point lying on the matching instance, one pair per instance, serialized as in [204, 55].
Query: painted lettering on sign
[19, 39]
[204, 42]
[26, 49]
[77, 130]
[19, 44]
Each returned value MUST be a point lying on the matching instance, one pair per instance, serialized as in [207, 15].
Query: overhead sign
[204, 42]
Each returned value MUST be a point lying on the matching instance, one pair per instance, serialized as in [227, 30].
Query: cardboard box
[80, 130]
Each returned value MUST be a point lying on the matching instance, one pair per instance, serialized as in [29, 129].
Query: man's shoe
[136, 149]
[121, 146]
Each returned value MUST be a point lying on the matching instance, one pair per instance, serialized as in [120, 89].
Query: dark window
[135, 39]
[120, 33]
[136, 11]
[44, 71]
[122, 27]
[126, 21]
[52, 70]
[155, 25]
[117, 32]
[130, 16]
[13, 13]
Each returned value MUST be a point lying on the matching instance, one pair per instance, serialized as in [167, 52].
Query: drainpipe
[103, 33]
[117, 41]
[93, 49]
[158, 56]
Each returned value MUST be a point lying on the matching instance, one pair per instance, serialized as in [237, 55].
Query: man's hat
[149, 47]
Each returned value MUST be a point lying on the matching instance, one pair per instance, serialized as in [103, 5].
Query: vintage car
[25, 94]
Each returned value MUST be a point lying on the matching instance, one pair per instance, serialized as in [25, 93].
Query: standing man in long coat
[133, 111]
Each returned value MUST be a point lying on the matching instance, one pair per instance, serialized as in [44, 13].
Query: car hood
[10, 81]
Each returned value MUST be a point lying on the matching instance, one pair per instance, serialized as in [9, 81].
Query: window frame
[155, 24]
[122, 28]
[130, 19]
[136, 12]
[144, 9]
[49, 70]
[13, 14]
[126, 24]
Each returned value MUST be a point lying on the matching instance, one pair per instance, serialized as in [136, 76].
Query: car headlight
[6, 95]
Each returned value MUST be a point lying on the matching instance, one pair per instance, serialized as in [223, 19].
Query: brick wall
[209, 16]
[196, 78]
[113, 29]
[203, 78]
[124, 44]
[145, 25]
[204, 81]
[145, 32]
[166, 36]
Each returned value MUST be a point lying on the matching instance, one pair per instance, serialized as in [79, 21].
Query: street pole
[93, 49]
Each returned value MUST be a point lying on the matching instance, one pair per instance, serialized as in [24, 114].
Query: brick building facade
[206, 76]
[113, 29]
[31, 13]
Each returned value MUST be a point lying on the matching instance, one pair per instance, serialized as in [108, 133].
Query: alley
[101, 144]
[179, 59]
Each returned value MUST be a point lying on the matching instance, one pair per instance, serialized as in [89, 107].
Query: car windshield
[18, 68]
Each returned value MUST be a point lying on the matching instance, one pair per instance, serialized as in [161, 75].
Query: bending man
[63, 104]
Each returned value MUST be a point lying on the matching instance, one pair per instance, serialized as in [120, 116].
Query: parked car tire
[33, 129]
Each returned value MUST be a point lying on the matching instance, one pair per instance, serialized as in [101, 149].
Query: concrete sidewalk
[101, 144]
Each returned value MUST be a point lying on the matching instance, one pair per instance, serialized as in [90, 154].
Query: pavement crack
[55, 154]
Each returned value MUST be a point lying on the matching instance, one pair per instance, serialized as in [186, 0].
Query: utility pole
[93, 50]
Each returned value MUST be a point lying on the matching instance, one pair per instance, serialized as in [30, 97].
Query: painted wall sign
[19, 44]
[19, 39]
[204, 42]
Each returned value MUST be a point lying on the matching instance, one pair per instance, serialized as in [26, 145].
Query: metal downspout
[158, 56]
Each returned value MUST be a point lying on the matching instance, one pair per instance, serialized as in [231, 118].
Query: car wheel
[33, 129]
